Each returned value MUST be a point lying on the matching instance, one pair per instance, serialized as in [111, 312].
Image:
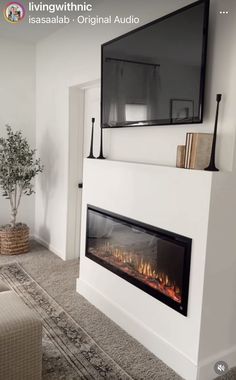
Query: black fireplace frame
[180, 240]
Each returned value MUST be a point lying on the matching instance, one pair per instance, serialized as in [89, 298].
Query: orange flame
[131, 261]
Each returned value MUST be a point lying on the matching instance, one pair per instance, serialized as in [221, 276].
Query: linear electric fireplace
[155, 260]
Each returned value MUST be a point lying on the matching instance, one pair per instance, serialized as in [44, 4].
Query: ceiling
[32, 33]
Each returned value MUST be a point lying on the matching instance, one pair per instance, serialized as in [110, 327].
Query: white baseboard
[206, 367]
[49, 246]
[156, 344]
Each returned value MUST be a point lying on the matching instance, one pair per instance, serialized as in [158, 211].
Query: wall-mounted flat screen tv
[155, 75]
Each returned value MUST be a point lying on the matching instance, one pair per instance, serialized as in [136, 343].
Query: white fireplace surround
[174, 199]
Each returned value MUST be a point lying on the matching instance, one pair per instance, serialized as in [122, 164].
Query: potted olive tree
[18, 167]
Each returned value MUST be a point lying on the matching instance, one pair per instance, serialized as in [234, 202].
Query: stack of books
[197, 151]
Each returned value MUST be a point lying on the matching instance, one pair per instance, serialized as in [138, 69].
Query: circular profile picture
[14, 12]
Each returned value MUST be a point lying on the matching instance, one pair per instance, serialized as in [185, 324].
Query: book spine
[186, 150]
[189, 149]
[194, 150]
[180, 157]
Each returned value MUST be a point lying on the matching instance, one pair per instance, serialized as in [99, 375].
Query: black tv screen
[154, 75]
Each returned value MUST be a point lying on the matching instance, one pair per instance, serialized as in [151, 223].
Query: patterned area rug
[69, 353]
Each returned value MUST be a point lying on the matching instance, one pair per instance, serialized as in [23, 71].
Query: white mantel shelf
[168, 167]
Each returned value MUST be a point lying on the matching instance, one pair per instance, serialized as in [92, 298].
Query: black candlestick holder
[212, 167]
[101, 157]
[91, 155]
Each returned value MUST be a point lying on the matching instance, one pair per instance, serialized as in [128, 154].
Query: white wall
[158, 145]
[17, 102]
[71, 56]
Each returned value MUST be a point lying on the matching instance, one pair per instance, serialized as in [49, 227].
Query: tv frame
[203, 68]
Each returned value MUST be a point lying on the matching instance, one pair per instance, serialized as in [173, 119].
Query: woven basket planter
[14, 240]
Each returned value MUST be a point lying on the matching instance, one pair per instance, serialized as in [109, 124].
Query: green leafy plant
[18, 167]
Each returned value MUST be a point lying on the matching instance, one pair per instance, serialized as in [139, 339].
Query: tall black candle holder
[101, 157]
[212, 167]
[91, 155]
